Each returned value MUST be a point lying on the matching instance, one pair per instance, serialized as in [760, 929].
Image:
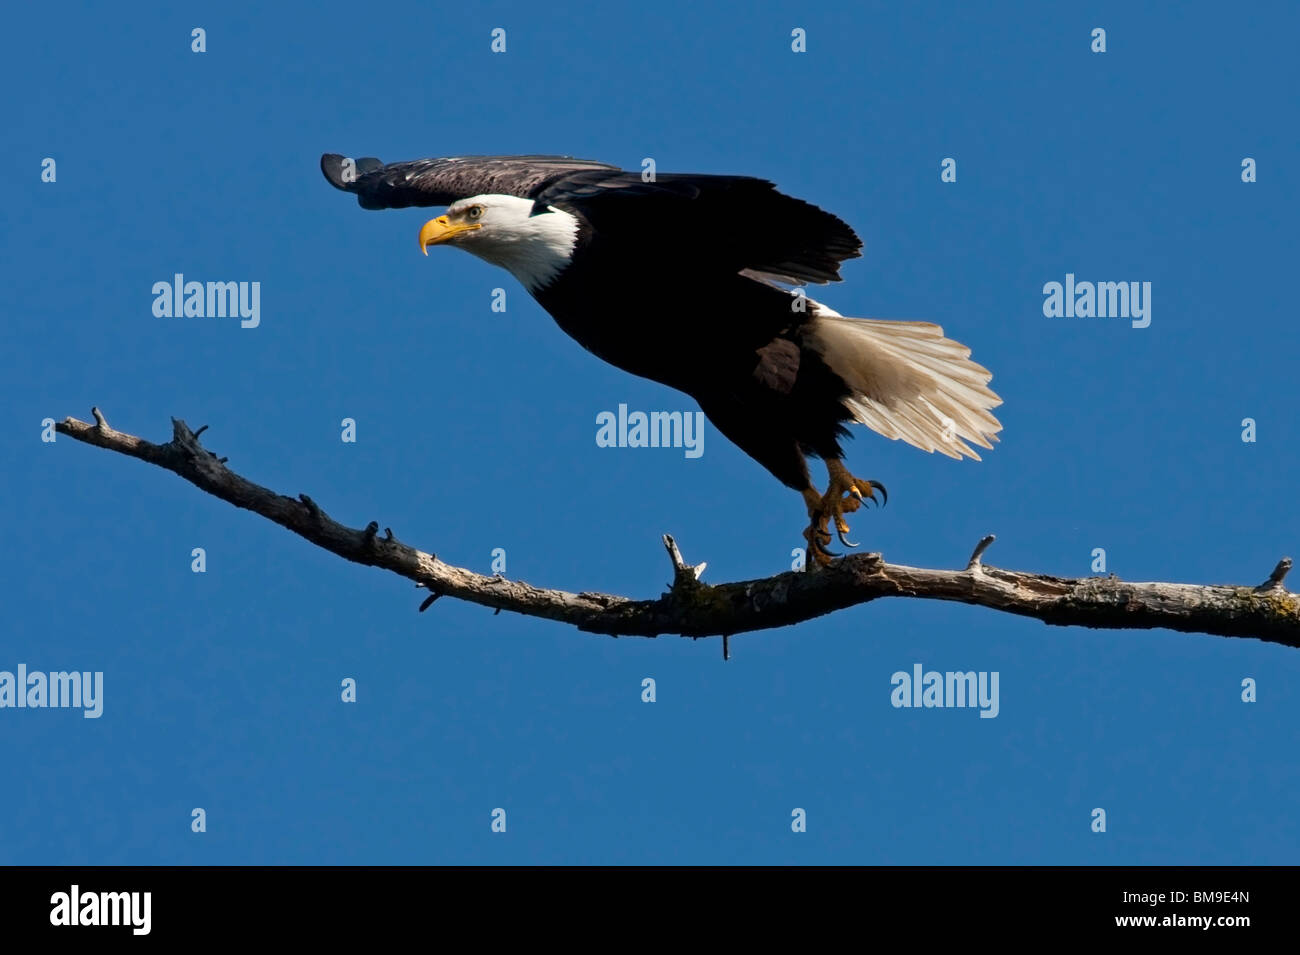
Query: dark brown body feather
[732, 343]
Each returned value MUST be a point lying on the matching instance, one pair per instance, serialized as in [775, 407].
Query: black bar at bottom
[338, 904]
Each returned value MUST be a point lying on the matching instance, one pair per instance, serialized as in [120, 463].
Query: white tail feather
[908, 381]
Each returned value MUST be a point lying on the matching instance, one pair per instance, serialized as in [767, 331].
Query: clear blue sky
[476, 430]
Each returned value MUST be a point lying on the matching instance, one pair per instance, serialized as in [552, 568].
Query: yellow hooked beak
[441, 229]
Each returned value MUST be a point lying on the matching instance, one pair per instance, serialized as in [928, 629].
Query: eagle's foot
[817, 533]
[818, 538]
[844, 495]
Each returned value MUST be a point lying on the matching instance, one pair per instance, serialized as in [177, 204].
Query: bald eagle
[696, 282]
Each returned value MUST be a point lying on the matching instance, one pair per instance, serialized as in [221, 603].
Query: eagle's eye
[473, 212]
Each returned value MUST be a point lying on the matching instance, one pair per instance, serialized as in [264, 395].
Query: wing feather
[440, 182]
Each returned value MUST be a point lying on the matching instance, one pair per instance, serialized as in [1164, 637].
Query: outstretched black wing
[440, 182]
[727, 223]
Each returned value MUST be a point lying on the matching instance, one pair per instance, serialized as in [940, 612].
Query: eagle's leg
[816, 533]
[844, 495]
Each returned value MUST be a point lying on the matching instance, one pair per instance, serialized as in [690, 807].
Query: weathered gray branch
[695, 609]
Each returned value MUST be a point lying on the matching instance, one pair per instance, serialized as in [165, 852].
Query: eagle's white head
[504, 231]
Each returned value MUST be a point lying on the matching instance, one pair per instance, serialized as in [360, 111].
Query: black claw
[844, 540]
[816, 546]
[815, 537]
[884, 495]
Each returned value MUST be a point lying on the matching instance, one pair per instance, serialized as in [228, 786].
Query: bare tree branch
[695, 609]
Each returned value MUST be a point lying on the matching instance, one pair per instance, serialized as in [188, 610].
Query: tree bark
[694, 609]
